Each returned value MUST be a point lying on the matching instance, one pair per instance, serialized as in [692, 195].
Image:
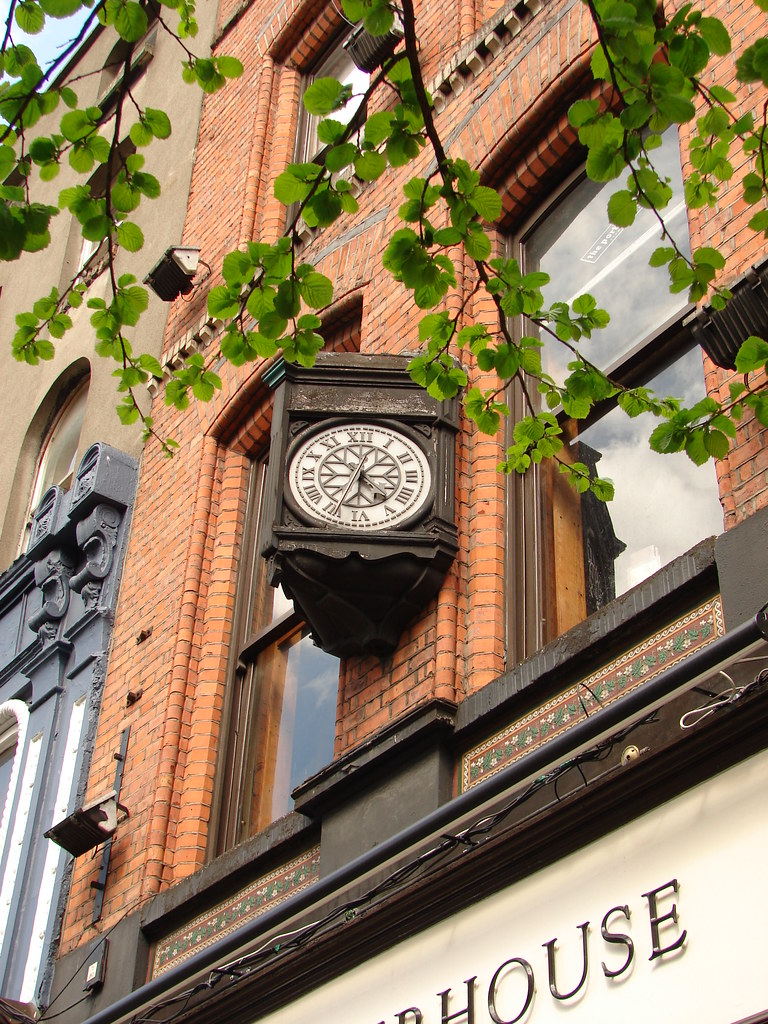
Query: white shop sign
[704, 855]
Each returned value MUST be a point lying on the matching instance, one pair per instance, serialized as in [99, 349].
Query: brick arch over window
[541, 147]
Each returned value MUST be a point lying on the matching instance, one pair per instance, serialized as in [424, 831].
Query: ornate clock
[359, 475]
[362, 474]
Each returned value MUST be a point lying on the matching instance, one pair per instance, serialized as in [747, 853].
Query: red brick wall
[181, 569]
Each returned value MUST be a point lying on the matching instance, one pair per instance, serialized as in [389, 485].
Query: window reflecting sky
[308, 720]
[582, 252]
[664, 503]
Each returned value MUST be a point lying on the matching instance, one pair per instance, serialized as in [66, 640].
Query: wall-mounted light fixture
[172, 275]
[88, 826]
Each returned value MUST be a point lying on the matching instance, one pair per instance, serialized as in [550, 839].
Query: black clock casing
[362, 476]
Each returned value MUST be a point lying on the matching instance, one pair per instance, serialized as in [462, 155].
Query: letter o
[492, 990]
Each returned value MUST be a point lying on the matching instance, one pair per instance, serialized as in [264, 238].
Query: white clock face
[360, 476]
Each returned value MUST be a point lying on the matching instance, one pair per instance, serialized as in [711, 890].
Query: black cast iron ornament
[362, 473]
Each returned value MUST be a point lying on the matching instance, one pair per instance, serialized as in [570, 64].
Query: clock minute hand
[352, 481]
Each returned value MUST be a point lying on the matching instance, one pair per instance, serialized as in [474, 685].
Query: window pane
[308, 717]
[59, 452]
[283, 693]
[583, 252]
[664, 503]
[290, 726]
[266, 604]
[341, 67]
[338, 65]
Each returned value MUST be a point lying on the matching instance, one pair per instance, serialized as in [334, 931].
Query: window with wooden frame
[280, 716]
[571, 554]
[336, 63]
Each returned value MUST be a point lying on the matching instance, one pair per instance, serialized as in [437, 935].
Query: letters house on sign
[411, 740]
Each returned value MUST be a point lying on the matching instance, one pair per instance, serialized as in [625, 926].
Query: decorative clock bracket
[362, 475]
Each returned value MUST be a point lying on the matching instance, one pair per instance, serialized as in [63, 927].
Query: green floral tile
[261, 895]
[610, 683]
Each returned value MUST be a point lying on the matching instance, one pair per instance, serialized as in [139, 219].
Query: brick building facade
[537, 629]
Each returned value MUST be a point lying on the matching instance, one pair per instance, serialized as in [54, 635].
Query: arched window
[58, 452]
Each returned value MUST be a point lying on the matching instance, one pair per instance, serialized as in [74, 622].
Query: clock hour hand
[376, 493]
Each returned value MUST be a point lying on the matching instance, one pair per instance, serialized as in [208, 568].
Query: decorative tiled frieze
[263, 894]
[653, 656]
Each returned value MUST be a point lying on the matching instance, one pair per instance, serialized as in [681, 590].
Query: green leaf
[379, 20]
[289, 189]
[716, 35]
[147, 184]
[340, 157]
[237, 267]
[260, 301]
[130, 303]
[140, 133]
[288, 300]
[152, 365]
[752, 355]
[323, 208]
[272, 325]
[330, 132]
[370, 165]
[689, 53]
[487, 202]
[583, 112]
[124, 198]
[131, 21]
[378, 128]
[230, 67]
[323, 96]
[61, 8]
[605, 162]
[158, 122]
[29, 17]
[130, 236]
[661, 256]
[316, 290]
[222, 303]
[80, 159]
[96, 228]
[477, 243]
[622, 209]
[76, 125]
[676, 108]
[667, 437]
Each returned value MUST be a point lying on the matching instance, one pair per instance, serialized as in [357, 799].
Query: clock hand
[376, 494]
[352, 481]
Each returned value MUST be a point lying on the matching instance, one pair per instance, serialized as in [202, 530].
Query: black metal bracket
[101, 882]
